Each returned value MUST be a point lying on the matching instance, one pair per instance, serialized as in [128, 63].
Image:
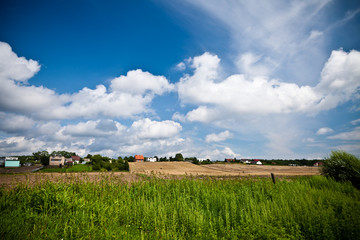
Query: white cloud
[222, 136]
[14, 67]
[255, 65]
[148, 129]
[99, 128]
[280, 30]
[139, 82]
[19, 145]
[324, 130]
[127, 96]
[217, 154]
[181, 66]
[351, 135]
[238, 95]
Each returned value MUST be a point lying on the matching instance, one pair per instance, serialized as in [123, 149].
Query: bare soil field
[186, 168]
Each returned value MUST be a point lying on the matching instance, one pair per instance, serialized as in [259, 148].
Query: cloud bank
[238, 95]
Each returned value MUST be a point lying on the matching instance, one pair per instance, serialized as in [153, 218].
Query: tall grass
[303, 208]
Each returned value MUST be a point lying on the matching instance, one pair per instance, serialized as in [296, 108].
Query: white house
[151, 159]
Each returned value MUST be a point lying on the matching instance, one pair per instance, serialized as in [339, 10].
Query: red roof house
[139, 158]
[75, 158]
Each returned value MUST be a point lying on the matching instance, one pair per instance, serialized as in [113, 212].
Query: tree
[179, 157]
[342, 166]
[42, 156]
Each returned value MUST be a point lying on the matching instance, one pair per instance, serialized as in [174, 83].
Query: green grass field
[254, 208]
[74, 168]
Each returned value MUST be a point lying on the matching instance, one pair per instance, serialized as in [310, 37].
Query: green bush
[342, 166]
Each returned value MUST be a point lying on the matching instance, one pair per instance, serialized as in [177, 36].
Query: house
[139, 158]
[151, 159]
[246, 161]
[10, 162]
[75, 159]
[229, 160]
[318, 164]
[56, 160]
[257, 162]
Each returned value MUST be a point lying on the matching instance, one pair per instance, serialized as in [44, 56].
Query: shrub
[342, 166]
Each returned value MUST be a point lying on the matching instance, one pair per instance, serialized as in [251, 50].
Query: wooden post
[273, 178]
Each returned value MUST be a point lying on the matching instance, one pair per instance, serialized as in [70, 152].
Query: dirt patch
[186, 168]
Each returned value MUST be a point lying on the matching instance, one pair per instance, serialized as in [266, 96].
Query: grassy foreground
[303, 208]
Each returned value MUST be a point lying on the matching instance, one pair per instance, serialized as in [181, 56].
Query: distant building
[229, 160]
[56, 160]
[75, 159]
[151, 159]
[10, 162]
[139, 158]
[257, 162]
[318, 164]
[246, 161]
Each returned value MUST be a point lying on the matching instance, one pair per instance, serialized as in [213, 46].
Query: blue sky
[211, 79]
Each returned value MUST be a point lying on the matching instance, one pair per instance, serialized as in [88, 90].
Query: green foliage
[302, 208]
[179, 157]
[105, 163]
[63, 153]
[342, 166]
[74, 168]
[43, 156]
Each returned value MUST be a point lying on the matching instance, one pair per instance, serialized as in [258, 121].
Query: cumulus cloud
[99, 128]
[222, 136]
[238, 95]
[146, 128]
[19, 145]
[139, 82]
[127, 96]
[217, 154]
[14, 67]
[324, 130]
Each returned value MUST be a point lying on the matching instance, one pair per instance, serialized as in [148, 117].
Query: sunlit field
[191, 208]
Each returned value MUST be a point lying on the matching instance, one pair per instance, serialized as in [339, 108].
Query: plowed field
[186, 168]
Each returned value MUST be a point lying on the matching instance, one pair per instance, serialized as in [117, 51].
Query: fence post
[273, 178]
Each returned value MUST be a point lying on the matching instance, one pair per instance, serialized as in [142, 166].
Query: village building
[75, 159]
[9, 162]
[318, 164]
[151, 159]
[229, 160]
[257, 162]
[246, 161]
[56, 160]
[139, 158]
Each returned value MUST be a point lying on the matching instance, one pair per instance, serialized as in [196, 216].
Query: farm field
[159, 169]
[30, 179]
[189, 208]
[186, 168]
